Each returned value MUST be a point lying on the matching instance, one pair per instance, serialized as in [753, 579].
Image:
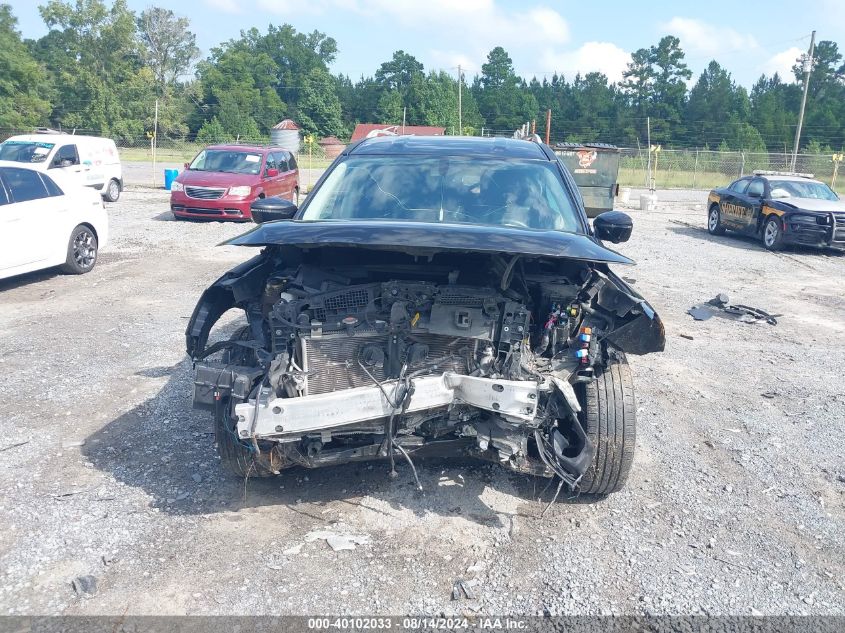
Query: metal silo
[286, 135]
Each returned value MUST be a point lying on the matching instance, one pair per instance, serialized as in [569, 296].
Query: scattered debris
[73, 443]
[720, 306]
[84, 585]
[461, 588]
[197, 478]
[337, 541]
[293, 551]
[769, 394]
[686, 336]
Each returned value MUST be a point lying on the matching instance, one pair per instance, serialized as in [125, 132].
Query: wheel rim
[113, 190]
[714, 218]
[771, 233]
[84, 249]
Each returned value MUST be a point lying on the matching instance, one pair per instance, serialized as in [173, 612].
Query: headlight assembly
[240, 191]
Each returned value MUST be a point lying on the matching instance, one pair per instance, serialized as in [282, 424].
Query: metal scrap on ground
[720, 306]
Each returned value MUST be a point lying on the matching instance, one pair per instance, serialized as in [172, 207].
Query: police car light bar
[763, 172]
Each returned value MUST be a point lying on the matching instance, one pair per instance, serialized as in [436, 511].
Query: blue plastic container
[169, 177]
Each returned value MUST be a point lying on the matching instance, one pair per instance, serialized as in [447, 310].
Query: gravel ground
[734, 505]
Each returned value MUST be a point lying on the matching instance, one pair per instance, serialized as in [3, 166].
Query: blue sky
[749, 38]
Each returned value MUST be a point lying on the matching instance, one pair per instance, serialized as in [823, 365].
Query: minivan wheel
[81, 251]
[609, 413]
[112, 192]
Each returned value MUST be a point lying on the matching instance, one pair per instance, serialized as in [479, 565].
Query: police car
[780, 208]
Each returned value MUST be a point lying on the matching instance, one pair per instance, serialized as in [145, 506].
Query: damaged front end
[353, 354]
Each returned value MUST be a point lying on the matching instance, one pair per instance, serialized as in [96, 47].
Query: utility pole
[460, 122]
[155, 142]
[404, 112]
[808, 68]
[548, 125]
[648, 140]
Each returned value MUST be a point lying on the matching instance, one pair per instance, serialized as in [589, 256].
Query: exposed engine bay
[352, 354]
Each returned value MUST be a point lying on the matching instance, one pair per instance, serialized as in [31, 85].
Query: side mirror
[613, 226]
[271, 209]
[272, 173]
[187, 165]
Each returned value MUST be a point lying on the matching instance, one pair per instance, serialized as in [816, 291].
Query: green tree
[239, 86]
[389, 108]
[399, 72]
[713, 102]
[774, 112]
[503, 98]
[167, 45]
[24, 89]
[638, 81]
[93, 55]
[669, 88]
[318, 110]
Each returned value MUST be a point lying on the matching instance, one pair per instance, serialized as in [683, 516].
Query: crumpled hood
[423, 238]
[814, 204]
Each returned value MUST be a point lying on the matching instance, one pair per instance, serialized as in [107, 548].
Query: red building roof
[369, 130]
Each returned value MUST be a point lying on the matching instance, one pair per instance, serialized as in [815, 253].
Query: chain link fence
[671, 169]
[706, 169]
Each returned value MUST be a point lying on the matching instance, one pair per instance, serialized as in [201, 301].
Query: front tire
[112, 191]
[81, 251]
[609, 413]
[773, 234]
[714, 221]
[237, 458]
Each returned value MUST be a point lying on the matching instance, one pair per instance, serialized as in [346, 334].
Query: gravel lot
[734, 506]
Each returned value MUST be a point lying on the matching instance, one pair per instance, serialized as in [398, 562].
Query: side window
[291, 162]
[25, 185]
[739, 186]
[52, 187]
[283, 162]
[66, 156]
[755, 189]
[4, 199]
[271, 163]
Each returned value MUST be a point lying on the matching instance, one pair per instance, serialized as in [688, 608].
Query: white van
[89, 160]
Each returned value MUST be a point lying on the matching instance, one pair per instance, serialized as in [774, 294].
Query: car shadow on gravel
[29, 278]
[751, 243]
[166, 448]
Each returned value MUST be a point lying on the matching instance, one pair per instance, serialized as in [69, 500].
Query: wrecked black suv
[431, 295]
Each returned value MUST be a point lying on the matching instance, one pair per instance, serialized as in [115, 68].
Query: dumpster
[595, 168]
[169, 176]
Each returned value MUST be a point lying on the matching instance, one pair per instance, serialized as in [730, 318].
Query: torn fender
[234, 289]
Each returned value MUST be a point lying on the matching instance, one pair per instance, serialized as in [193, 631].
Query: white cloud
[603, 57]
[226, 6]
[478, 25]
[703, 39]
[452, 59]
[782, 63]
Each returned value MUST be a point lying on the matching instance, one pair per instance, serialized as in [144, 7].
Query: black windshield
[456, 189]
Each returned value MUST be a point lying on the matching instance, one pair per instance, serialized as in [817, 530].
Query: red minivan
[223, 180]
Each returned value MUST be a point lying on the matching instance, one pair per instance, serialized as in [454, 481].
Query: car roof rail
[765, 172]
